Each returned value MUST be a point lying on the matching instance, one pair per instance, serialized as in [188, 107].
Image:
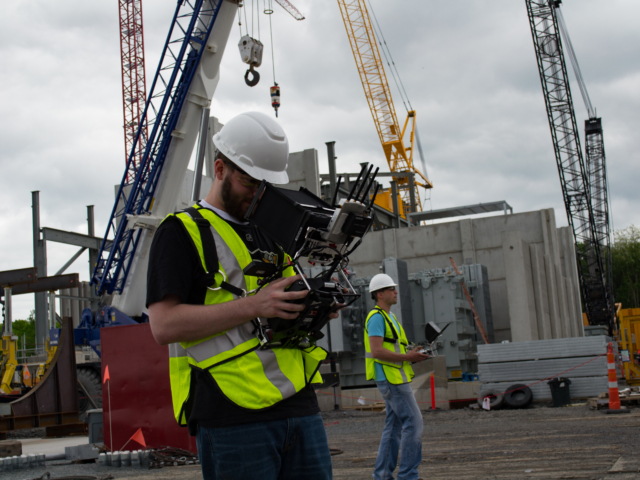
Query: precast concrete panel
[590, 366]
[439, 239]
[543, 349]
[494, 260]
[500, 310]
[522, 313]
[540, 292]
[580, 387]
[302, 169]
[488, 230]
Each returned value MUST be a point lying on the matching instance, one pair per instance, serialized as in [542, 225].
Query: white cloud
[468, 66]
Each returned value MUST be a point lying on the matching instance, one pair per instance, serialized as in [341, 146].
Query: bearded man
[254, 412]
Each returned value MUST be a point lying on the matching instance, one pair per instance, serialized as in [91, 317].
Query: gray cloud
[468, 67]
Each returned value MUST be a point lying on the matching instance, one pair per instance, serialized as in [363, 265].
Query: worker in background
[389, 363]
[254, 412]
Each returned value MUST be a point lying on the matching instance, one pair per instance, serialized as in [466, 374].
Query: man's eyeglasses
[244, 178]
[391, 289]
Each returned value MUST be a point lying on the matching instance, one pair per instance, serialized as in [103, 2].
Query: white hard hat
[380, 281]
[257, 144]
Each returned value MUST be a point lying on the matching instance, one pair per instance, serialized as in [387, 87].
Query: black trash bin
[560, 391]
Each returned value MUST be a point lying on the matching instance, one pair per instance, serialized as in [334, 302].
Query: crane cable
[269, 11]
[574, 62]
[391, 65]
[583, 87]
[398, 81]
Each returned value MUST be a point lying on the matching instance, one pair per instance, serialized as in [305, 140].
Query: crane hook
[255, 77]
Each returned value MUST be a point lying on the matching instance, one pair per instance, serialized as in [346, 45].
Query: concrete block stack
[581, 359]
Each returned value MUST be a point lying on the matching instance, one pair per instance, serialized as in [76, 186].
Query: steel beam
[93, 254]
[47, 284]
[8, 278]
[71, 238]
[331, 157]
[394, 200]
[479, 208]
[202, 146]
[327, 176]
[40, 262]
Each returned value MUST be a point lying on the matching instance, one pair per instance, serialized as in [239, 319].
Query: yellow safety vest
[248, 376]
[394, 341]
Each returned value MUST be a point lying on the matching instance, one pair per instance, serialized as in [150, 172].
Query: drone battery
[260, 269]
[356, 225]
[285, 215]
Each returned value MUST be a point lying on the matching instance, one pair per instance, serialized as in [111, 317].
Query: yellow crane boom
[376, 88]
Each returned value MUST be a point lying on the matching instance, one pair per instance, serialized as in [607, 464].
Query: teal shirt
[376, 328]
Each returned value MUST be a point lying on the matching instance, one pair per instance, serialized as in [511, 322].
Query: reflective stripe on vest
[395, 372]
[249, 377]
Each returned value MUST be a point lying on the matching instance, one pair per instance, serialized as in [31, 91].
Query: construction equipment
[183, 86]
[584, 184]
[399, 154]
[629, 344]
[134, 88]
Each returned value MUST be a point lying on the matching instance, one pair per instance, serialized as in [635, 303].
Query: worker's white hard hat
[380, 281]
[257, 144]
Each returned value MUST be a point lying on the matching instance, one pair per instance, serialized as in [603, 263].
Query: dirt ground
[540, 442]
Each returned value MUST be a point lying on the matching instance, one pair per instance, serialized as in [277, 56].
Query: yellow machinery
[9, 362]
[629, 344]
[376, 88]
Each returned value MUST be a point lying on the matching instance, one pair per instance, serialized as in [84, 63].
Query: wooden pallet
[603, 403]
[372, 407]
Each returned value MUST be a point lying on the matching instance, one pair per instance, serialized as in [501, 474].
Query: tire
[495, 398]
[518, 396]
[91, 382]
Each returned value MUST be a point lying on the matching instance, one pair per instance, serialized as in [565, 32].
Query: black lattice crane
[584, 184]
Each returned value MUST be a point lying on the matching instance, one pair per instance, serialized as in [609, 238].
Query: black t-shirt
[175, 269]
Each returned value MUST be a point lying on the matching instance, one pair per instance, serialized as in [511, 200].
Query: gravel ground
[27, 433]
[540, 442]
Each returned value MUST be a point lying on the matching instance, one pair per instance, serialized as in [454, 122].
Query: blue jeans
[403, 428]
[288, 449]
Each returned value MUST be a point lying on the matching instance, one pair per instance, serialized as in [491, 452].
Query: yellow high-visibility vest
[394, 341]
[248, 376]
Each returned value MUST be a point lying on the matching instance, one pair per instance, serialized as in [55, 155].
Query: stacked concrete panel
[582, 360]
[531, 265]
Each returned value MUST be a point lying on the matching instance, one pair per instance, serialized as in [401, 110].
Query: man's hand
[272, 301]
[415, 356]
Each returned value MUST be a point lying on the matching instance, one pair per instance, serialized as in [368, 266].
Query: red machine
[139, 391]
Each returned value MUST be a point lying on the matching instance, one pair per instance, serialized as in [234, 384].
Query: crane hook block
[251, 54]
[255, 78]
[275, 97]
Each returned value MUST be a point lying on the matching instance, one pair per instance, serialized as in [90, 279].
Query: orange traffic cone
[614, 398]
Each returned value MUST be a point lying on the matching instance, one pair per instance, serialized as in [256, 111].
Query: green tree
[25, 330]
[625, 258]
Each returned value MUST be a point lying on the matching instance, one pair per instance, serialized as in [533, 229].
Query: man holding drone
[253, 409]
[389, 364]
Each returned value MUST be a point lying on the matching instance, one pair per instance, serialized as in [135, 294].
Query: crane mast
[577, 178]
[184, 84]
[134, 88]
[376, 88]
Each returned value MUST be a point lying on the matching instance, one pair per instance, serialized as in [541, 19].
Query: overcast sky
[468, 67]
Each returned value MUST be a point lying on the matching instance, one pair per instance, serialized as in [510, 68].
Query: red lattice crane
[134, 90]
